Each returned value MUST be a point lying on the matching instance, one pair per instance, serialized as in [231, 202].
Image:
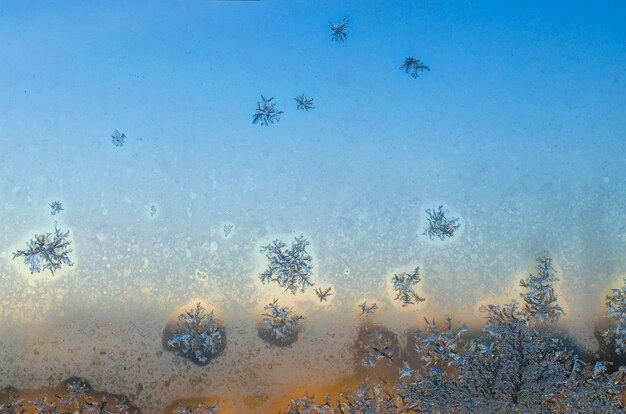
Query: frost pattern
[304, 103]
[47, 252]
[540, 301]
[367, 310]
[339, 30]
[280, 325]
[439, 225]
[414, 66]
[199, 409]
[289, 268]
[75, 402]
[198, 336]
[118, 139]
[403, 286]
[56, 207]
[518, 364]
[377, 345]
[323, 294]
[616, 310]
[266, 112]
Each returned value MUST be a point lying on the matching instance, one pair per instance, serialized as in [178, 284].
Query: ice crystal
[439, 225]
[72, 403]
[414, 66]
[47, 251]
[368, 310]
[368, 398]
[56, 207]
[289, 268]
[616, 310]
[306, 405]
[153, 210]
[266, 112]
[199, 409]
[339, 30]
[228, 228]
[378, 345]
[303, 103]
[280, 325]
[197, 336]
[118, 138]
[323, 295]
[403, 284]
[518, 364]
[540, 301]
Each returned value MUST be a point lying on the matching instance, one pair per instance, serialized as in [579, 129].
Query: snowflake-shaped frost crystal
[289, 268]
[304, 103]
[47, 251]
[56, 207]
[403, 284]
[266, 112]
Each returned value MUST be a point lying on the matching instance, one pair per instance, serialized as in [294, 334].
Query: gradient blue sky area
[521, 96]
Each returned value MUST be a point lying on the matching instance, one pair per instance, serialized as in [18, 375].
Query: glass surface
[137, 117]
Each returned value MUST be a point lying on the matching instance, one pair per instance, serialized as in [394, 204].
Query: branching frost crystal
[56, 207]
[414, 66]
[323, 294]
[280, 325]
[289, 268]
[198, 336]
[339, 30]
[266, 112]
[616, 310]
[540, 301]
[403, 286]
[439, 225]
[199, 409]
[377, 345]
[368, 310]
[47, 252]
[118, 138]
[304, 103]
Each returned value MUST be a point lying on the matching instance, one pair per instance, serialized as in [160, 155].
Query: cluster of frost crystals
[198, 336]
[518, 364]
[616, 310]
[414, 66]
[377, 346]
[199, 409]
[540, 301]
[289, 268]
[266, 112]
[47, 251]
[368, 398]
[439, 225]
[280, 325]
[72, 403]
[439, 348]
[306, 405]
[403, 286]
